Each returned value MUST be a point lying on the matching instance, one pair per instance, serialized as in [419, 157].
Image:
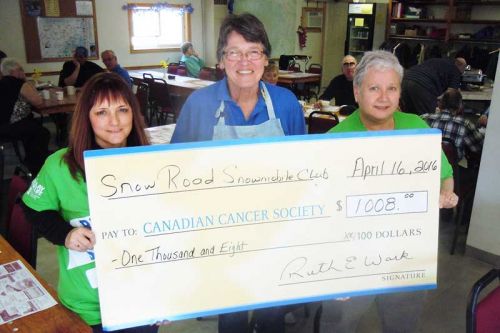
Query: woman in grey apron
[241, 106]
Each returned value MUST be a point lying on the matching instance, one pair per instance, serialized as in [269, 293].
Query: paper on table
[21, 294]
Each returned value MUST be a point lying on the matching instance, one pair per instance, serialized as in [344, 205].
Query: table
[181, 85]
[477, 101]
[298, 77]
[53, 319]
[52, 105]
[477, 95]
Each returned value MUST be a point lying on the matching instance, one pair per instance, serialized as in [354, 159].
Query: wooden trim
[156, 50]
[51, 73]
[67, 9]
[142, 67]
[28, 75]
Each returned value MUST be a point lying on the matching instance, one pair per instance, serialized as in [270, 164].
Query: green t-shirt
[401, 121]
[55, 189]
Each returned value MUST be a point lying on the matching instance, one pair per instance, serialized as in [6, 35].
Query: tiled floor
[444, 308]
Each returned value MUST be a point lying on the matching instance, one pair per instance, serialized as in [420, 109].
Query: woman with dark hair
[242, 106]
[106, 116]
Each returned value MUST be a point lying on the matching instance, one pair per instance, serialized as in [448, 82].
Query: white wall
[484, 230]
[335, 34]
[112, 32]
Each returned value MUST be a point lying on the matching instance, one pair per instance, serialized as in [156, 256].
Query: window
[158, 27]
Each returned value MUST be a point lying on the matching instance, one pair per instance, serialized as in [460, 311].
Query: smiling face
[243, 73]
[378, 97]
[111, 121]
[109, 60]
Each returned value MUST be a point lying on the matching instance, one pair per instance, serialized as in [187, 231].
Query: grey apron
[270, 128]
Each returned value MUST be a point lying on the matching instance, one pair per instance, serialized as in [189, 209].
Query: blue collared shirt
[123, 73]
[197, 118]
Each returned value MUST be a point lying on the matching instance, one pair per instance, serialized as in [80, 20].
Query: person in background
[377, 88]
[106, 116]
[424, 83]
[271, 73]
[17, 97]
[111, 62]
[2, 56]
[340, 87]
[77, 71]
[74, 73]
[241, 106]
[192, 60]
[449, 119]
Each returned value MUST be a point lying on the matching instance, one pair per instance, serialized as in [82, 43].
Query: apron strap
[267, 99]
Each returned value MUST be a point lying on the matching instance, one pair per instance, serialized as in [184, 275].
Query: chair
[321, 122]
[219, 73]
[142, 95]
[182, 70]
[347, 110]
[172, 68]
[160, 103]
[315, 69]
[463, 187]
[20, 233]
[207, 73]
[284, 61]
[295, 67]
[483, 316]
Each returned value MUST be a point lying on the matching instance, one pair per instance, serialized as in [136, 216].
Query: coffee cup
[70, 90]
[59, 95]
[45, 94]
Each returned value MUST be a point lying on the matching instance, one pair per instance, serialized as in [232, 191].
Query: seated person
[271, 73]
[77, 71]
[16, 119]
[340, 87]
[191, 59]
[454, 126]
[111, 62]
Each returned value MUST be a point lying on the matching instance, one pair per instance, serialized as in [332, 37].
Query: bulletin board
[54, 28]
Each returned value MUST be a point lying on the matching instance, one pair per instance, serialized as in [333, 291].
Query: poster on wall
[60, 36]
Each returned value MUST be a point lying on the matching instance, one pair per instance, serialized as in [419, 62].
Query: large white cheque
[190, 230]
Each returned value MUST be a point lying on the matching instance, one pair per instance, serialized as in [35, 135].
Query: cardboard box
[411, 32]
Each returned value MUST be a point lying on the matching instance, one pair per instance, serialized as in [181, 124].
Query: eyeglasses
[237, 55]
[349, 64]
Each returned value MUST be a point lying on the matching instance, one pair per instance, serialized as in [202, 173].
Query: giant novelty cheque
[189, 230]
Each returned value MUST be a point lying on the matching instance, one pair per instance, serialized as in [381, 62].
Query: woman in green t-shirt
[107, 115]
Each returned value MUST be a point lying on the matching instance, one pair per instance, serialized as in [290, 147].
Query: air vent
[220, 2]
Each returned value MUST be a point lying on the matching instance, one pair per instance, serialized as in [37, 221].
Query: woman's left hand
[447, 199]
